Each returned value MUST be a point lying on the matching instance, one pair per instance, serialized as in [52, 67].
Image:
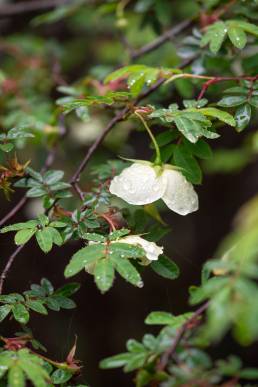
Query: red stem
[210, 82]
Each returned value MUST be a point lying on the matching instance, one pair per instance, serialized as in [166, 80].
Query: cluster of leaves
[7, 140]
[236, 31]
[193, 122]
[22, 365]
[245, 99]
[191, 366]
[139, 76]
[230, 282]
[49, 186]
[38, 299]
[45, 231]
[105, 255]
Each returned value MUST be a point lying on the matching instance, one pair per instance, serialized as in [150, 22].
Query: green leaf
[254, 101]
[164, 318]
[37, 306]
[36, 175]
[126, 270]
[44, 239]
[248, 27]
[104, 274]
[214, 36]
[64, 302]
[20, 226]
[125, 250]
[190, 167]
[91, 236]
[34, 372]
[51, 177]
[60, 376]
[52, 304]
[114, 235]
[68, 289]
[134, 346]
[249, 373]
[219, 114]
[136, 360]
[165, 268]
[23, 236]
[16, 377]
[36, 192]
[243, 116]
[4, 311]
[115, 361]
[143, 378]
[200, 149]
[85, 256]
[8, 147]
[165, 138]
[46, 284]
[56, 236]
[20, 313]
[232, 100]
[237, 36]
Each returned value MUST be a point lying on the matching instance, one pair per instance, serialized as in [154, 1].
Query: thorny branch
[76, 176]
[214, 80]
[30, 6]
[179, 336]
[161, 39]
[48, 163]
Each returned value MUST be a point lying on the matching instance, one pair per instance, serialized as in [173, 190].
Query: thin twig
[161, 39]
[8, 266]
[179, 335]
[214, 80]
[30, 6]
[48, 163]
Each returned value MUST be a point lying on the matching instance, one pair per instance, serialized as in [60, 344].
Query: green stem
[158, 156]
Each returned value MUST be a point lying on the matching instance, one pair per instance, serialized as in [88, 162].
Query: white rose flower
[152, 250]
[143, 183]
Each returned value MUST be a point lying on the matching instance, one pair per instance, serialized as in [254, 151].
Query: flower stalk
[157, 160]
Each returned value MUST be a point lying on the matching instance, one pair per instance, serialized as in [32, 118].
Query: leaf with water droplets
[126, 250]
[126, 270]
[237, 36]
[243, 116]
[20, 313]
[44, 239]
[165, 268]
[85, 256]
[4, 311]
[214, 36]
[16, 377]
[104, 274]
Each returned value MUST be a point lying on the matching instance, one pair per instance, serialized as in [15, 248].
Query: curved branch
[179, 335]
[30, 6]
[161, 39]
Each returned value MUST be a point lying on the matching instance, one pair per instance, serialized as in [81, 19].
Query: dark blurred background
[103, 323]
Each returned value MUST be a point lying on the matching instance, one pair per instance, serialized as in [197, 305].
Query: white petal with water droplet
[138, 184]
[151, 249]
[180, 195]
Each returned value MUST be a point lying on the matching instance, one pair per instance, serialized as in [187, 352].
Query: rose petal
[180, 195]
[151, 249]
[138, 184]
